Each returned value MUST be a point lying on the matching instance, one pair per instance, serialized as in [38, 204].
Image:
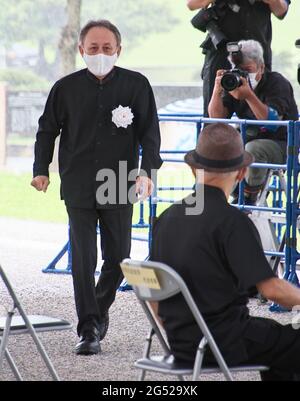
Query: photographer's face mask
[100, 64]
[255, 77]
[252, 79]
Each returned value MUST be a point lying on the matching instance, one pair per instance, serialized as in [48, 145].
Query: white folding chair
[13, 325]
[154, 282]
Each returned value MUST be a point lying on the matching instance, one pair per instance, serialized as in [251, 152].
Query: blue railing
[291, 209]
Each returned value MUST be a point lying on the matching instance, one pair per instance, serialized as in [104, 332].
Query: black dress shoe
[89, 342]
[103, 326]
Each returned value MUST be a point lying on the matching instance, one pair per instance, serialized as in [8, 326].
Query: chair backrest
[153, 281]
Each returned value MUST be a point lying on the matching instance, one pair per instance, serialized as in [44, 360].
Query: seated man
[264, 95]
[219, 255]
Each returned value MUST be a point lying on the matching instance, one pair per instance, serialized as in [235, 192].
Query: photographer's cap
[219, 149]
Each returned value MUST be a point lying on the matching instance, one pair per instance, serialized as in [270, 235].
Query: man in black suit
[104, 114]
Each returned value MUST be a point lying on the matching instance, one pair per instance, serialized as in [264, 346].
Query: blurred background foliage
[158, 39]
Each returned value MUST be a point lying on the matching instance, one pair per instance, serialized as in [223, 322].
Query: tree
[37, 22]
[68, 44]
[40, 22]
[136, 19]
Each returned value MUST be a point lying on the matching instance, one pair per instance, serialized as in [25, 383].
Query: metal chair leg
[5, 335]
[142, 375]
[41, 349]
[146, 352]
[37, 342]
[13, 366]
[199, 359]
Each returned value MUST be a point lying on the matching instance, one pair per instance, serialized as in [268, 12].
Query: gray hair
[102, 23]
[253, 51]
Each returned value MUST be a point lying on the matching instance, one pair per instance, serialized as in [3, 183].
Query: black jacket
[80, 108]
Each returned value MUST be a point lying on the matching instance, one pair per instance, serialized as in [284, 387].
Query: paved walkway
[26, 248]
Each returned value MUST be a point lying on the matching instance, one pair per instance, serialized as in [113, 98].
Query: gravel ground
[26, 248]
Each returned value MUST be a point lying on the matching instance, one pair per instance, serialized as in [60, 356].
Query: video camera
[207, 19]
[297, 44]
[231, 79]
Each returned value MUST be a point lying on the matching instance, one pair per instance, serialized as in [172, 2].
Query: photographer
[262, 95]
[236, 20]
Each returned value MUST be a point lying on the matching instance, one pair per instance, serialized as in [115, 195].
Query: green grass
[180, 46]
[19, 140]
[21, 201]
[175, 56]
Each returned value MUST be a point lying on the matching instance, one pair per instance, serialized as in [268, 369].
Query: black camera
[206, 21]
[232, 78]
[297, 44]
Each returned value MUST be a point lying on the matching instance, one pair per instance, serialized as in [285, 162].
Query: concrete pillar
[2, 124]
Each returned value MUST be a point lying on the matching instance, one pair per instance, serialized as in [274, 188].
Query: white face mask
[252, 79]
[100, 64]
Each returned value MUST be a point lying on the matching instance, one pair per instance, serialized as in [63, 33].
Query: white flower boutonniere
[122, 117]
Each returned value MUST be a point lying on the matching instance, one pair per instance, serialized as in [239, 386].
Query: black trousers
[280, 351]
[93, 302]
[268, 343]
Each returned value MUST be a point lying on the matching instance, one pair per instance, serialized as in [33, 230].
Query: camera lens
[230, 81]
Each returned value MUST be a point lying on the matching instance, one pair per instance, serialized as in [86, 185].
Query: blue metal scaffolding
[290, 208]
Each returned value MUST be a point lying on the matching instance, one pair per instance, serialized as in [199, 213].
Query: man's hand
[216, 107]
[277, 7]
[280, 291]
[218, 89]
[243, 92]
[40, 183]
[144, 187]
[196, 4]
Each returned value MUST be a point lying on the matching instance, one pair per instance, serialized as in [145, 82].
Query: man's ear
[81, 51]
[241, 174]
[119, 51]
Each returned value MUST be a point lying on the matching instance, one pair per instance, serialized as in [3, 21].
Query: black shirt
[220, 257]
[251, 22]
[276, 92]
[80, 108]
